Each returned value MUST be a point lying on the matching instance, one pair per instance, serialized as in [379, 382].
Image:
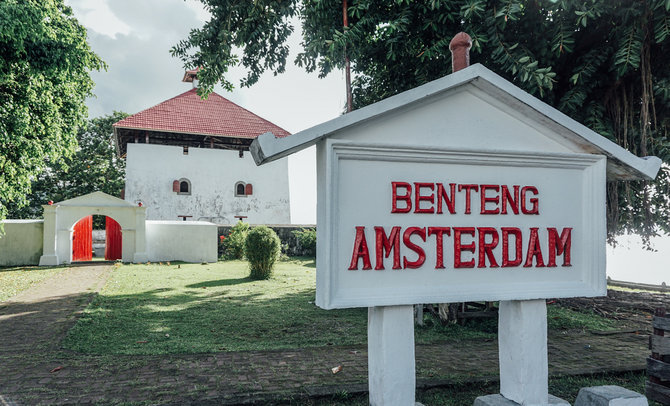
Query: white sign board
[411, 225]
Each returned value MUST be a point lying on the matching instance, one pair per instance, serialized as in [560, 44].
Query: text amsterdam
[472, 246]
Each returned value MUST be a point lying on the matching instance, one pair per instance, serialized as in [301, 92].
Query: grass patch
[15, 280]
[558, 319]
[623, 289]
[434, 331]
[193, 308]
[565, 387]
[561, 318]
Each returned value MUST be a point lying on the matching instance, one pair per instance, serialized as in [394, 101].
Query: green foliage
[44, 81]
[259, 29]
[262, 250]
[307, 240]
[601, 62]
[232, 246]
[94, 166]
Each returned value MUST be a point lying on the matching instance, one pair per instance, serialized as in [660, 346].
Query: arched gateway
[60, 219]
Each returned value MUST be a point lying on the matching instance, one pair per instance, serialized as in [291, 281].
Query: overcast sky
[134, 37]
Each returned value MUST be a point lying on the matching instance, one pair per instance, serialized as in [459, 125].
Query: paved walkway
[35, 370]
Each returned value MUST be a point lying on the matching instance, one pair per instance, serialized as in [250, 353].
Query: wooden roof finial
[191, 75]
[460, 51]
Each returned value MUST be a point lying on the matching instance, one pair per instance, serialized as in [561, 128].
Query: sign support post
[391, 365]
[522, 351]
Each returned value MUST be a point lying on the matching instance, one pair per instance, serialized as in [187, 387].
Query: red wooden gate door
[112, 239]
[82, 241]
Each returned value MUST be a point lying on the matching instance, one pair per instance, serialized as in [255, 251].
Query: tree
[95, 166]
[602, 62]
[44, 80]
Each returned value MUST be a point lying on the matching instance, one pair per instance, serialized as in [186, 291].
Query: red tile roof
[188, 113]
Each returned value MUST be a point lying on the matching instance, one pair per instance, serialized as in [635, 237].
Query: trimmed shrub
[232, 246]
[307, 241]
[262, 250]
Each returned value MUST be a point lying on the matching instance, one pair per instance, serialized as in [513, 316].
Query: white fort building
[188, 159]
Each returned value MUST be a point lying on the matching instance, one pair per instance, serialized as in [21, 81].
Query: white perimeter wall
[213, 173]
[188, 241]
[22, 242]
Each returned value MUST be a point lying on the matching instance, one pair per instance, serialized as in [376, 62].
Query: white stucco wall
[188, 241]
[22, 242]
[213, 173]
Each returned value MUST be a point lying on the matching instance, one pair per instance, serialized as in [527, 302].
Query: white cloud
[198, 9]
[95, 15]
[141, 72]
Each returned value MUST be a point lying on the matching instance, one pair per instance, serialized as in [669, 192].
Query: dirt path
[41, 315]
[72, 281]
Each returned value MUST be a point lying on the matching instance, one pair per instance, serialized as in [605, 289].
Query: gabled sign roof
[99, 199]
[621, 164]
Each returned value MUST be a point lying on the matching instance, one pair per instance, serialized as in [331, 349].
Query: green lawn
[17, 279]
[193, 308]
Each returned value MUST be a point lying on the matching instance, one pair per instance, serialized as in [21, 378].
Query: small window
[240, 189]
[184, 187]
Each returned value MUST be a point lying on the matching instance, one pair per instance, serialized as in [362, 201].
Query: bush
[232, 246]
[306, 241]
[262, 250]
[283, 254]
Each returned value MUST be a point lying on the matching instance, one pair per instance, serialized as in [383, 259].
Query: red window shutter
[175, 186]
[248, 190]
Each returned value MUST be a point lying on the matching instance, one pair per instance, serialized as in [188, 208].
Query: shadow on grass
[28, 268]
[220, 282]
[308, 262]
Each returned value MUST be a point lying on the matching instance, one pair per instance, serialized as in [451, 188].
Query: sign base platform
[499, 400]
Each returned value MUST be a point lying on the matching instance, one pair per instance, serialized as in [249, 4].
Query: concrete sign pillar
[391, 355]
[522, 351]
